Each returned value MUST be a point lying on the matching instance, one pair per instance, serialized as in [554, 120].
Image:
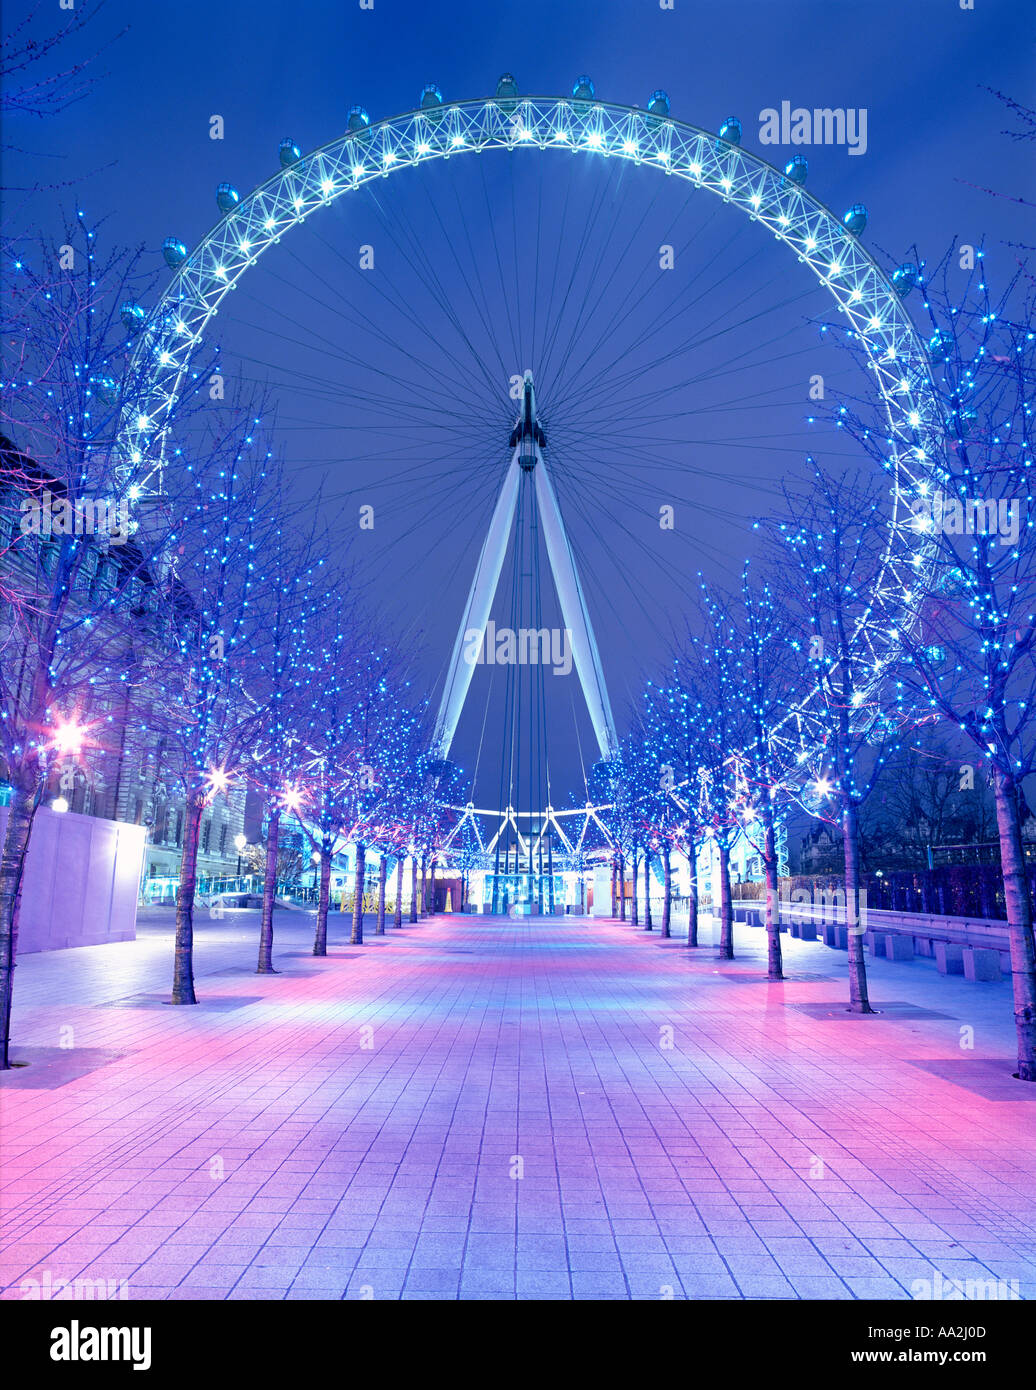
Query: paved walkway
[479, 1108]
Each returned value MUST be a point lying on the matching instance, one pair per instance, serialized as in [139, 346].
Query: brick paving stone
[266, 1151]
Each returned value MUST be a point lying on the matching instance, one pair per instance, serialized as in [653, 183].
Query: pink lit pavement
[489, 1108]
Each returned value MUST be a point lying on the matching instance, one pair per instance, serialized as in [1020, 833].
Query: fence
[948, 890]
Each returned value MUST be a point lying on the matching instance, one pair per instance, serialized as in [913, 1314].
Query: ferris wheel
[530, 360]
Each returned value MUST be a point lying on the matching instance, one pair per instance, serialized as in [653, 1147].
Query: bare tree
[300, 590]
[830, 556]
[216, 602]
[38, 74]
[770, 684]
[969, 656]
[674, 736]
[82, 557]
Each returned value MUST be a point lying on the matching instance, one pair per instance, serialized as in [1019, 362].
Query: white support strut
[528, 456]
[476, 611]
[575, 614]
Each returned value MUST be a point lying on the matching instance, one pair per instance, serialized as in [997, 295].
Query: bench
[978, 950]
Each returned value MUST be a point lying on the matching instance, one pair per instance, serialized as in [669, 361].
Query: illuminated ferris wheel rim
[169, 335]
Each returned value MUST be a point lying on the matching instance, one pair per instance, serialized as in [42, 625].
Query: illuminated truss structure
[528, 457]
[868, 299]
[575, 829]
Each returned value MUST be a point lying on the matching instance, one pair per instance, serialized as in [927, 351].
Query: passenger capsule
[359, 121]
[288, 153]
[227, 197]
[730, 131]
[133, 316]
[507, 88]
[855, 220]
[658, 103]
[905, 278]
[583, 89]
[107, 388]
[431, 103]
[796, 169]
[940, 345]
[175, 252]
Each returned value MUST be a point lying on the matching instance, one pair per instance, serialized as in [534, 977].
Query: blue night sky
[135, 153]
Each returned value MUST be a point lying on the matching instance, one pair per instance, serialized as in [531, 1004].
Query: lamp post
[239, 844]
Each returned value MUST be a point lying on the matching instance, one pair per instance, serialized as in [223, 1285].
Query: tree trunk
[432, 907]
[1019, 922]
[667, 888]
[24, 802]
[692, 899]
[774, 957]
[397, 915]
[413, 889]
[323, 902]
[634, 908]
[361, 869]
[183, 961]
[647, 891]
[726, 907]
[858, 1001]
[379, 930]
[273, 835]
[423, 905]
[614, 871]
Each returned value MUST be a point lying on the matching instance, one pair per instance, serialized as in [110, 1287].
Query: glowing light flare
[69, 737]
[217, 781]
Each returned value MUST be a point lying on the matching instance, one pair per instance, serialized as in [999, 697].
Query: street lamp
[239, 844]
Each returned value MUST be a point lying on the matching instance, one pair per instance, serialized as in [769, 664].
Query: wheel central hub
[527, 435]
